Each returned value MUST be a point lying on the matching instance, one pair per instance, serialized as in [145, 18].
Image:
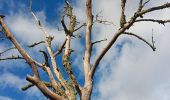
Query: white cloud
[10, 80]
[5, 98]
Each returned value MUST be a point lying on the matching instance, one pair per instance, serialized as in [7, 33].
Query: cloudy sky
[129, 71]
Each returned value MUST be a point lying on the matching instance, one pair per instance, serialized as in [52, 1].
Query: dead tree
[60, 88]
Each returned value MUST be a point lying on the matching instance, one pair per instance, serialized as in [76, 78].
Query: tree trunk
[87, 90]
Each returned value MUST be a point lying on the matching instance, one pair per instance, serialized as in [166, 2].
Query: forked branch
[126, 26]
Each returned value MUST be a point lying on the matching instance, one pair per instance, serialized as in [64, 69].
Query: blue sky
[129, 71]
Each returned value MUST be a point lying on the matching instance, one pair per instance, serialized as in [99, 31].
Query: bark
[87, 90]
[89, 20]
[88, 86]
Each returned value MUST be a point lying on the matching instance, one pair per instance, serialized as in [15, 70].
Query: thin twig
[64, 26]
[84, 24]
[30, 8]
[105, 22]
[153, 42]
[48, 41]
[7, 50]
[29, 85]
[44, 89]
[146, 3]
[45, 57]
[166, 5]
[35, 44]
[60, 49]
[140, 38]
[154, 20]
[99, 41]
[12, 58]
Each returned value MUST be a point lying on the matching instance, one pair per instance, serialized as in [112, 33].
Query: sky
[129, 71]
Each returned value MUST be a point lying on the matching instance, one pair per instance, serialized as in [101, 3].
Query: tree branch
[141, 4]
[24, 88]
[64, 26]
[45, 57]
[145, 3]
[60, 49]
[66, 56]
[55, 85]
[19, 48]
[12, 58]
[84, 24]
[154, 20]
[99, 41]
[142, 39]
[126, 26]
[48, 46]
[89, 22]
[105, 22]
[166, 5]
[42, 87]
[35, 44]
[123, 16]
[7, 50]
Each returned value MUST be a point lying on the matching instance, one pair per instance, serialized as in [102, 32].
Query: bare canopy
[59, 88]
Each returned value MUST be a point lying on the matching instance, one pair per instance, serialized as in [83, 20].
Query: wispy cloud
[5, 98]
[9, 80]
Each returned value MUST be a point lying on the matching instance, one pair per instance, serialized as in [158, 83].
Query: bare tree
[60, 88]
